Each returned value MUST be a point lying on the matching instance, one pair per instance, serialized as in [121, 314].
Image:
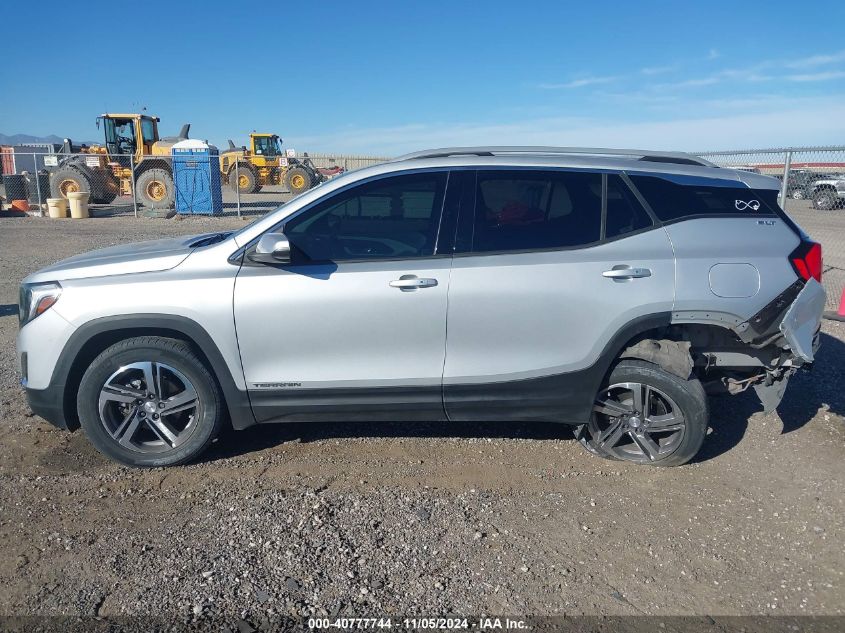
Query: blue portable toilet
[196, 178]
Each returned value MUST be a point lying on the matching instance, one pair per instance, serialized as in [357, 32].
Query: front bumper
[49, 404]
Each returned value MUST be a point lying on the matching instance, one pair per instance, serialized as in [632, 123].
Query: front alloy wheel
[150, 401]
[148, 407]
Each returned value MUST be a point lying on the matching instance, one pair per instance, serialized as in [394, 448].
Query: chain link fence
[812, 192]
[123, 184]
[812, 186]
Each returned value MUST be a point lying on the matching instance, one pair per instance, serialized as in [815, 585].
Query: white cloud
[658, 70]
[749, 74]
[824, 76]
[579, 83]
[702, 81]
[817, 60]
[761, 124]
[764, 70]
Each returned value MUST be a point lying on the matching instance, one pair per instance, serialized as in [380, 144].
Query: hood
[138, 257]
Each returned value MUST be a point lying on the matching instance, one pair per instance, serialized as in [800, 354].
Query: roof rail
[681, 158]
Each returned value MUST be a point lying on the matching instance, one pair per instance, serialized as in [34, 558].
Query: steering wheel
[123, 145]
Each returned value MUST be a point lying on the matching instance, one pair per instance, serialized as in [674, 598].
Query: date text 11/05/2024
[419, 623]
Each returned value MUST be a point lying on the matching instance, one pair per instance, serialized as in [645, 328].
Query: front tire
[298, 180]
[647, 415]
[149, 401]
[244, 179]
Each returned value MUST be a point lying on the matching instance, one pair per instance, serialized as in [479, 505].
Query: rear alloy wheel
[149, 401]
[647, 415]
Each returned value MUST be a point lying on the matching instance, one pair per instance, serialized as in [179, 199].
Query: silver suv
[609, 290]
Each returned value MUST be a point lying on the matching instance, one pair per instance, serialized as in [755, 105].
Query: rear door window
[530, 210]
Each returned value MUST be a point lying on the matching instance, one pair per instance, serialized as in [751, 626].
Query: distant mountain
[28, 139]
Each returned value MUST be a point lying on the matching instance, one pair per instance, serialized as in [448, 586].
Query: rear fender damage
[673, 356]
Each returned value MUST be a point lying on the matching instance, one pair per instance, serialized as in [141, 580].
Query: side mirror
[272, 248]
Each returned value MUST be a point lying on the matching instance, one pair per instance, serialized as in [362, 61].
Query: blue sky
[388, 77]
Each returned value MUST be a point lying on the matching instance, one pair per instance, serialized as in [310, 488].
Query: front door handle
[622, 272]
[412, 282]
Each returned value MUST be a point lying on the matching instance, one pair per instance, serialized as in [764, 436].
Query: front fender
[90, 338]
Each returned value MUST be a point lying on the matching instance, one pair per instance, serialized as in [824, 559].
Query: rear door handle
[412, 282]
[623, 271]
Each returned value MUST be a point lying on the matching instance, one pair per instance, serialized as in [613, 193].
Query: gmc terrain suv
[604, 289]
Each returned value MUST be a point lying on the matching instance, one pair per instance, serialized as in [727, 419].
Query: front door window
[390, 218]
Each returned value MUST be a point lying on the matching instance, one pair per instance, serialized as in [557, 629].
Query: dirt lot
[424, 519]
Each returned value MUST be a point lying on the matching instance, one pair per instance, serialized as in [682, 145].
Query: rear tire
[664, 426]
[150, 401]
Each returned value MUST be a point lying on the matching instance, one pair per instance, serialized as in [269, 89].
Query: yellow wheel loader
[132, 152]
[265, 163]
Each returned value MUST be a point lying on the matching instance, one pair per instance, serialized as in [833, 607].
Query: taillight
[807, 260]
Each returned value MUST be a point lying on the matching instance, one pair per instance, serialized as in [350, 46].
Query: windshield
[268, 146]
[118, 129]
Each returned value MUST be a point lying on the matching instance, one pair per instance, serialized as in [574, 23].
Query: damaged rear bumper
[801, 323]
[800, 327]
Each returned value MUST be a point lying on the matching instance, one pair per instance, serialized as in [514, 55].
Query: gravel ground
[424, 519]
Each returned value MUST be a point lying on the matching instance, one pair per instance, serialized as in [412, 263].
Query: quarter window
[521, 210]
[625, 214]
[672, 201]
[395, 217]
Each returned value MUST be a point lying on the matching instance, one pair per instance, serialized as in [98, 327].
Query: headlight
[36, 299]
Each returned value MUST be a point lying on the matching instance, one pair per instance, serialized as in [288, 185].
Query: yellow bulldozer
[132, 152]
[265, 163]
